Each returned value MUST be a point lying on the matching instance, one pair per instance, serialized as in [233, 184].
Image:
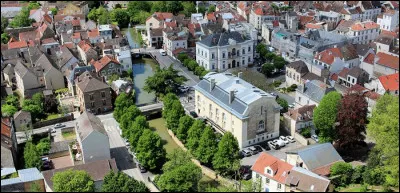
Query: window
[261, 126]
[269, 171]
[279, 186]
[91, 97]
[242, 62]
[249, 48]
[223, 55]
[267, 180]
[249, 58]
[243, 51]
[103, 94]
[223, 120]
[104, 102]
[92, 104]
[216, 115]
[213, 66]
[212, 56]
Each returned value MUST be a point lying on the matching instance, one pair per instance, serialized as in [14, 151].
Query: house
[385, 83]
[123, 56]
[297, 119]
[44, 31]
[105, 31]
[154, 26]
[233, 105]
[73, 74]
[272, 172]
[222, 51]
[28, 78]
[370, 96]
[302, 180]
[22, 120]
[89, 25]
[262, 11]
[297, 73]
[311, 93]
[388, 20]
[368, 65]
[94, 95]
[317, 158]
[174, 38]
[107, 66]
[92, 138]
[53, 78]
[363, 32]
[96, 170]
[50, 44]
[350, 77]
[336, 58]
[385, 64]
[23, 183]
[87, 52]
[65, 59]
[243, 9]
[94, 36]
[120, 86]
[8, 74]
[62, 18]
[9, 148]
[388, 43]
[71, 9]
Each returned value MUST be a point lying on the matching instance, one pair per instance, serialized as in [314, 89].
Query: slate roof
[222, 39]
[24, 175]
[356, 72]
[362, 49]
[60, 146]
[307, 181]
[89, 83]
[317, 155]
[299, 66]
[96, 169]
[22, 115]
[88, 123]
[315, 90]
[77, 71]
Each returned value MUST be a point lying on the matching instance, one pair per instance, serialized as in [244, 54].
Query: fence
[69, 117]
[205, 170]
[302, 140]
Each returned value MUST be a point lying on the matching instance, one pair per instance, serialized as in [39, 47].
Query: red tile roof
[48, 41]
[69, 45]
[388, 60]
[76, 35]
[305, 19]
[42, 28]
[313, 26]
[93, 33]
[177, 51]
[364, 26]
[328, 55]
[344, 72]
[5, 127]
[211, 16]
[390, 82]
[324, 170]
[372, 95]
[29, 35]
[370, 58]
[32, 11]
[47, 18]
[20, 44]
[334, 77]
[85, 46]
[279, 167]
[100, 64]
[390, 33]
[171, 24]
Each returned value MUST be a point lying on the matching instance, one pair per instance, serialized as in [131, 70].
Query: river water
[142, 68]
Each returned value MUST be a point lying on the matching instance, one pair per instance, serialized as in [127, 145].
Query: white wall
[95, 147]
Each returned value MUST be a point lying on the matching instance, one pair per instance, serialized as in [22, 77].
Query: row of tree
[220, 153]
[146, 144]
[192, 65]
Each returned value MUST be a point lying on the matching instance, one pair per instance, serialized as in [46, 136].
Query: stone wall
[69, 117]
[300, 139]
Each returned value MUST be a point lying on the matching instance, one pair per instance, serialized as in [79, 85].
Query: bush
[277, 83]
[344, 171]
[182, 57]
[306, 132]
[356, 178]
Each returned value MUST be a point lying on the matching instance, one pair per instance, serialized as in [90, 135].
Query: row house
[105, 31]
[297, 73]
[286, 42]
[86, 51]
[233, 105]
[218, 52]
[261, 12]
[359, 32]
[311, 93]
[94, 95]
[266, 30]
[388, 20]
[107, 66]
[385, 84]
[71, 75]
[385, 64]
[61, 19]
[388, 43]
[368, 10]
[370, 96]
[123, 56]
[335, 59]
[174, 38]
[154, 26]
[350, 77]
[297, 119]
[245, 29]
[9, 148]
[243, 8]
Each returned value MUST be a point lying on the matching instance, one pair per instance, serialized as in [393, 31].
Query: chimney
[319, 57]
[325, 80]
[237, 81]
[231, 96]
[303, 87]
[240, 74]
[212, 84]
[335, 46]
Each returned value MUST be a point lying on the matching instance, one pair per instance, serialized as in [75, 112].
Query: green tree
[120, 16]
[283, 103]
[192, 65]
[185, 123]
[35, 109]
[43, 147]
[54, 11]
[188, 8]
[168, 101]
[194, 135]
[182, 57]
[179, 174]
[73, 181]
[35, 187]
[38, 99]
[174, 114]
[113, 78]
[267, 68]
[186, 62]
[4, 38]
[174, 7]
[33, 5]
[279, 62]
[164, 81]
[122, 102]
[140, 17]
[159, 6]
[357, 177]
[344, 171]
[383, 126]
[199, 70]
[260, 48]
[8, 110]
[121, 182]
[22, 19]
[12, 100]
[227, 154]
[211, 8]
[325, 116]
[4, 24]
[31, 156]
[126, 120]
[270, 56]
[207, 146]
[136, 130]
[202, 9]
[137, 6]
[150, 151]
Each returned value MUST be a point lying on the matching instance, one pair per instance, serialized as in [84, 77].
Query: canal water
[142, 68]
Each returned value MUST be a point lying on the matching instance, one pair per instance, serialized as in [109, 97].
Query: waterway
[142, 68]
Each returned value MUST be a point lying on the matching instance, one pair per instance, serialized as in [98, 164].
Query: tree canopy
[121, 182]
[164, 81]
[150, 151]
[227, 154]
[22, 19]
[73, 181]
[207, 146]
[325, 114]
[136, 130]
[194, 135]
[122, 102]
[31, 156]
[185, 122]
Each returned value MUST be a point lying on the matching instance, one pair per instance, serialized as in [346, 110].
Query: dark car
[193, 114]
[142, 169]
[266, 147]
[258, 148]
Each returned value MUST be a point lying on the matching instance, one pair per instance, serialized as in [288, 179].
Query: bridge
[152, 108]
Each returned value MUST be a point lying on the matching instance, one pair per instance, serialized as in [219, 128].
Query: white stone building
[388, 20]
[174, 38]
[123, 56]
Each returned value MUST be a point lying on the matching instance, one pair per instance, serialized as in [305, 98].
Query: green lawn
[52, 116]
[358, 188]
[158, 125]
[69, 135]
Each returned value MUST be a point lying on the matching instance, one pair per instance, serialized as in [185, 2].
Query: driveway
[187, 101]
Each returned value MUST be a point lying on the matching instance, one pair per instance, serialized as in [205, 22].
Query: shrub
[277, 83]
[344, 171]
[306, 132]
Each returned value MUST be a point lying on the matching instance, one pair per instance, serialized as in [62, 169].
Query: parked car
[273, 145]
[184, 88]
[253, 150]
[258, 148]
[246, 152]
[291, 105]
[315, 137]
[290, 138]
[283, 138]
[142, 169]
[279, 142]
[266, 146]
[59, 125]
[162, 52]
[44, 159]
[193, 114]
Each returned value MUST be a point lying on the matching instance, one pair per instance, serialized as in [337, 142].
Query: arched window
[261, 125]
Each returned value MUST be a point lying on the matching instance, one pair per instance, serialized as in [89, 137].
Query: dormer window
[269, 172]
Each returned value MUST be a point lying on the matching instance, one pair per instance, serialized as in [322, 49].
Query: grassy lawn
[52, 116]
[158, 125]
[69, 135]
[255, 78]
[358, 188]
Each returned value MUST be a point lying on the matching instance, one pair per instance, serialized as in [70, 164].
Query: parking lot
[280, 153]
[187, 101]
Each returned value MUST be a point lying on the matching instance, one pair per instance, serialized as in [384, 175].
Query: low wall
[69, 117]
[205, 170]
[68, 129]
[302, 140]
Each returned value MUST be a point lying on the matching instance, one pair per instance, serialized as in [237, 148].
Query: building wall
[272, 186]
[19, 124]
[85, 101]
[110, 69]
[364, 36]
[95, 147]
[384, 70]
[389, 22]
[302, 100]
[292, 77]
[54, 79]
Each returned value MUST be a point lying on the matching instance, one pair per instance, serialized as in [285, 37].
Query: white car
[279, 142]
[283, 138]
[163, 53]
[291, 105]
[315, 137]
[59, 125]
[290, 138]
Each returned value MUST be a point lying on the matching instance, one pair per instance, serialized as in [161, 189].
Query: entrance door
[233, 64]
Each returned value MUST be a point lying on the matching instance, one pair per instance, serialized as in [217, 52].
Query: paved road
[21, 137]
